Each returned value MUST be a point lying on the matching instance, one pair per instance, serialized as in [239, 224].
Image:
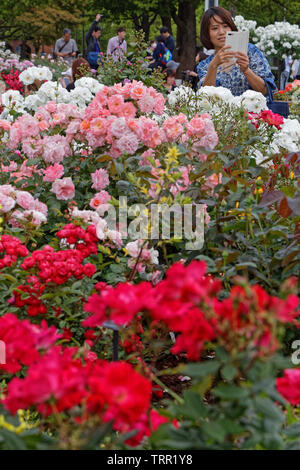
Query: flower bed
[223, 312]
[291, 94]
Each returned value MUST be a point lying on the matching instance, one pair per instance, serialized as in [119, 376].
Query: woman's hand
[191, 74]
[242, 61]
[224, 55]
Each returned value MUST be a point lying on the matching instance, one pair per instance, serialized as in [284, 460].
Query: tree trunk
[166, 21]
[185, 19]
[143, 22]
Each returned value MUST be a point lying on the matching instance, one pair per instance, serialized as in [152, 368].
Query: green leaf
[204, 385]
[11, 441]
[211, 265]
[8, 277]
[229, 372]
[231, 392]
[200, 370]
[293, 430]
[273, 441]
[232, 427]
[96, 437]
[193, 406]
[245, 264]
[215, 431]
[288, 190]
[267, 408]
[116, 268]
[32, 161]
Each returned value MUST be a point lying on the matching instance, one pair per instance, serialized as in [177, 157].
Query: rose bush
[221, 316]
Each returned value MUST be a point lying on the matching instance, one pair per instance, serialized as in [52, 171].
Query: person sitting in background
[171, 69]
[250, 71]
[92, 42]
[150, 51]
[66, 47]
[66, 77]
[158, 54]
[80, 68]
[117, 46]
[168, 38]
[170, 82]
[191, 76]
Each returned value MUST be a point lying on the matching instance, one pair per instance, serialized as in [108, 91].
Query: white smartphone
[238, 40]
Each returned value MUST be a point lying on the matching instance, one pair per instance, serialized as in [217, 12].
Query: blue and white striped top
[235, 80]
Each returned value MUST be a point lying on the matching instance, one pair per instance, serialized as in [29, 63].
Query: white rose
[133, 248]
[12, 98]
[27, 77]
[253, 101]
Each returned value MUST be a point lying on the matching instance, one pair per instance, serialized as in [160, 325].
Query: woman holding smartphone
[249, 72]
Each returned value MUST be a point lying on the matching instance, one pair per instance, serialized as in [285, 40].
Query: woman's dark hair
[121, 29]
[80, 68]
[97, 28]
[170, 73]
[163, 30]
[205, 22]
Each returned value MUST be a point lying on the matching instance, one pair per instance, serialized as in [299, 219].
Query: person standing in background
[92, 42]
[117, 46]
[285, 74]
[295, 72]
[92, 37]
[66, 47]
[168, 39]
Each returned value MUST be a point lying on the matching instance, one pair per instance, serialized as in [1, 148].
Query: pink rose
[98, 126]
[100, 179]
[146, 103]
[115, 104]
[100, 198]
[5, 125]
[128, 110]
[40, 207]
[173, 128]
[159, 104]
[43, 125]
[35, 217]
[25, 200]
[55, 148]
[137, 91]
[128, 143]
[13, 166]
[119, 127]
[7, 189]
[6, 203]
[64, 189]
[51, 107]
[29, 126]
[53, 172]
